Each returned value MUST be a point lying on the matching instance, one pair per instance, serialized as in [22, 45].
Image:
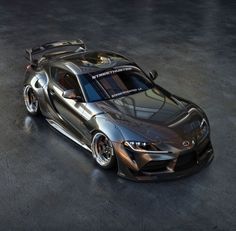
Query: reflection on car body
[110, 106]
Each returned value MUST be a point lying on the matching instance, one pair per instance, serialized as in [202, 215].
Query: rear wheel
[31, 101]
[103, 151]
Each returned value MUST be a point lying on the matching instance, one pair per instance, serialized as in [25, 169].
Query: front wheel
[103, 151]
[31, 101]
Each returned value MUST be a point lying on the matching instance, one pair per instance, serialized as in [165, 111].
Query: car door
[70, 110]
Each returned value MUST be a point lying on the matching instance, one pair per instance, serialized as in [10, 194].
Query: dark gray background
[49, 183]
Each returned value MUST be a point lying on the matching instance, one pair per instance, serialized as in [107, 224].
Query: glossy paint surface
[49, 183]
[176, 131]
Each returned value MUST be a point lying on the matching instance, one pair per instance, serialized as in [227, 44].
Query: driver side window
[66, 80]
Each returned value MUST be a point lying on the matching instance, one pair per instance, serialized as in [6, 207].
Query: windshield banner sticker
[126, 92]
[111, 72]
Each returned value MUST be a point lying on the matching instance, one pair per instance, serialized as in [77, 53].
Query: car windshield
[114, 83]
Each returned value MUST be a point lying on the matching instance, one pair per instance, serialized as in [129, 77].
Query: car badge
[186, 143]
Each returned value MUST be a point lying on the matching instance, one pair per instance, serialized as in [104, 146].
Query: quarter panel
[39, 82]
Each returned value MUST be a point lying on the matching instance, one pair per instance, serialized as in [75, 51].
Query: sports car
[107, 104]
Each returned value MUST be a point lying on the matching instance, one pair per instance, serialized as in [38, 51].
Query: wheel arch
[110, 129]
[38, 80]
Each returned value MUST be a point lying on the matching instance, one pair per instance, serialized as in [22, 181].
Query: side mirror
[71, 94]
[153, 74]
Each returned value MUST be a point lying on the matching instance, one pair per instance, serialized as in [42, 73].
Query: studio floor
[47, 182]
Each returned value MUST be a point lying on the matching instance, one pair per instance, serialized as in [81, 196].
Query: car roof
[87, 62]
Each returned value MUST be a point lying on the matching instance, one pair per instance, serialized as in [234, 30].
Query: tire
[103, 151]
[31, 100]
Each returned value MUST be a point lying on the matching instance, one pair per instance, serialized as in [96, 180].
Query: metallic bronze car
[109, 105]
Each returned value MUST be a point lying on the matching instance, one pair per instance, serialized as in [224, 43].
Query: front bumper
[151, 167]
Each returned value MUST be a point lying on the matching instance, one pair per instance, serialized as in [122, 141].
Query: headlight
[143, 147]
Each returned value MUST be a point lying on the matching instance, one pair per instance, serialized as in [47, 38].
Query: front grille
[155, 166]
[185, 161]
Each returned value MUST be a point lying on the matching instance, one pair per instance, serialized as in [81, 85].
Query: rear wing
[34, 54]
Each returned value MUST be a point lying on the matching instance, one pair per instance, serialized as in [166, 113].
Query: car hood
[151, 115]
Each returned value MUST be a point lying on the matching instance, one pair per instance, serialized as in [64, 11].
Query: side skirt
[65, 132]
